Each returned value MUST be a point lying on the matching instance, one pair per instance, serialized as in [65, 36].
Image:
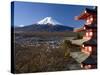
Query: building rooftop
[87, 12]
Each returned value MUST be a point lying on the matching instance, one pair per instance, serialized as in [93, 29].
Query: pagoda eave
[90, 27]
[89, 61]
[90, 43]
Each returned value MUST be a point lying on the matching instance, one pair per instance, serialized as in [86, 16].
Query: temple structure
[89, 47]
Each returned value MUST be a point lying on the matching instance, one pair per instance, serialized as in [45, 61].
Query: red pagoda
[89, 47]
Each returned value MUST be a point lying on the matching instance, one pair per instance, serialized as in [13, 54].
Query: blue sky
[27, 13]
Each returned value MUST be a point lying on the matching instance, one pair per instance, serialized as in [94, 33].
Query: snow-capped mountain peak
[49, 20]
[21, 25]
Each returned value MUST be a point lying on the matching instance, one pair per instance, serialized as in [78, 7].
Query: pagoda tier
[89, 47]
[90, 28]
[89, 63]
[86, 27]
[90, 34]
[90, 13]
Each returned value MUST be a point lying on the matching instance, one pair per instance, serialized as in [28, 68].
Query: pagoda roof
[90, 61]
[92, 11]
[87, 12]
[92, 42]
[90, 26]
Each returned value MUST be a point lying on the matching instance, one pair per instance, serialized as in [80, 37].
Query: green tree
[79, 36]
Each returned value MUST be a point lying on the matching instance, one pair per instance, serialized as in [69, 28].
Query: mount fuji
[47, 24]
[49, 20]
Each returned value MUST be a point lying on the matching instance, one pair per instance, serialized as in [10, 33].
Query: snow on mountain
[21, 25]
[45, 25]
[49, 20]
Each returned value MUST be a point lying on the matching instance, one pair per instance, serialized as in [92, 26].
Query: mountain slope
[41, 28]
[47, 24]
